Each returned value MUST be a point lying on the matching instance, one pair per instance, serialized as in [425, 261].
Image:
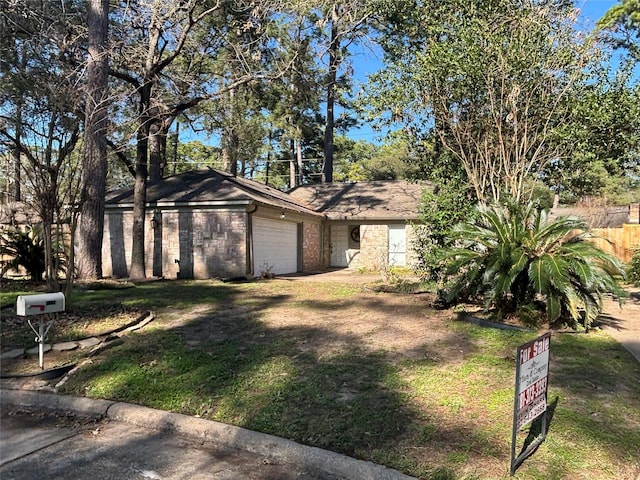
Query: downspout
[249, 240]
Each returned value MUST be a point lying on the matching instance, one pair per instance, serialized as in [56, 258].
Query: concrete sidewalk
[124, 441]
[623, 323]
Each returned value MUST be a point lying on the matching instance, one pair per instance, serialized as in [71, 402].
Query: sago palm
[514, 255]
[24, 248]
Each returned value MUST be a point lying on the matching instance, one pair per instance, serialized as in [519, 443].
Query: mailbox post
[41, 305]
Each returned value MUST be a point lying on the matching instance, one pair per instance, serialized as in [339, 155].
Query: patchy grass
[375, 375]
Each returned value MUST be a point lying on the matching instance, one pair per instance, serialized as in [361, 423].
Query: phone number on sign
[528, 395]
[531, 412]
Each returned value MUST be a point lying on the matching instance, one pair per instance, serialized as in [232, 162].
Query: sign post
[530, 401]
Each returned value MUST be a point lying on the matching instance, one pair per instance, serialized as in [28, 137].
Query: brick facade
[312, 246]
[374, 247]
[206, 243]
[373, 251]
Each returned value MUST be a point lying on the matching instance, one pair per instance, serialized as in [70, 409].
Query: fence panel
[619, 241]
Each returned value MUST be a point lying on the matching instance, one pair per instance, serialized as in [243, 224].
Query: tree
[513, 255]
[360, 161]
[621, 27]
[488, 78]
[48, 109]
[149, 39]
[95, 142]
[294, 106]
[171, 59]
[347, 22]
[602, 138]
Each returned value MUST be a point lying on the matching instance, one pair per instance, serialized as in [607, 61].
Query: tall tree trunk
[267, 167]
[137, 269]
[176, 142]
[334, 47]
[157, 150]
[292, 165]
[299, 159]
[17, 165]
[94, 165]
[230, 140]
[47, 214]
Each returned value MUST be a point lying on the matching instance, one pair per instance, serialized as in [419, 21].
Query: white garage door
[275, 245]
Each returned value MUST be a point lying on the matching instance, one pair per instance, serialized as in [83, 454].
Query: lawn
[376, 375]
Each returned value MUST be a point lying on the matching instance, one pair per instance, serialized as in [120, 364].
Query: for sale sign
[532, 371]
[531, 379]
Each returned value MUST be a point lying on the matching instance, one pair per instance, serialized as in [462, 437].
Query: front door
[397, 245]
[339, 245]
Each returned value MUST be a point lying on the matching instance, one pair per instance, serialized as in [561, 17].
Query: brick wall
[116, 244]
[207, 243]
[374, 247]
[311, 247]
[326, 245]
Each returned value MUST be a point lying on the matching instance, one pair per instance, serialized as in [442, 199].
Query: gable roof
[378, 200]
[210, 187]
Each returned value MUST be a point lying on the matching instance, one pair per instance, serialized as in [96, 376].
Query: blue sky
[367, 62]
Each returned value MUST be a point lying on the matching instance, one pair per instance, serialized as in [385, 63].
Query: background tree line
[487, 99]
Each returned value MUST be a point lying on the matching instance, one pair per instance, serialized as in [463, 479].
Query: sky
[367, 62]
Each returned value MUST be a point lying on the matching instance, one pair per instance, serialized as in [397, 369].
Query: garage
[275, 246]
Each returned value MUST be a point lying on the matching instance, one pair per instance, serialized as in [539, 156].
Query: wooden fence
[619, 241]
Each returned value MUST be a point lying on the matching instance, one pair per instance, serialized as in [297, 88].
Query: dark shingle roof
[378, 200]
[210, 187]
[596, 217]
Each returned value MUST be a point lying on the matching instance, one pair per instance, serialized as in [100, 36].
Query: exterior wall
[412, 255]
[373, 253]
[312, 246]
[326, 246]
[207, 243]
[374, 247]
[116, 243]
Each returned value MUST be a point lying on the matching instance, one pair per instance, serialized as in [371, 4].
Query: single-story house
[369, 224]
[209, 223]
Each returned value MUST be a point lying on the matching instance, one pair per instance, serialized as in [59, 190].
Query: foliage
[621, 27]
[440, 210]
[488, 79]
[633, 269]
[26, 249]
[515, 255]
[602, 139]
[361, 161]
[40, 105]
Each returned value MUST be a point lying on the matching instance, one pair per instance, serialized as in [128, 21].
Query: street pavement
[52, 447]
[53, 436]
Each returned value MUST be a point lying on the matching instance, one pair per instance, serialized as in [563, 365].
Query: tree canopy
[499, 97]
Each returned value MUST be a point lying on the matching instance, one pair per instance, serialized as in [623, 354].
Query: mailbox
[39, 304]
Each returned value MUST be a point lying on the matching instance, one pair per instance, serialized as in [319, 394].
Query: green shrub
[25, 248]
[515, 255]
[440, 210]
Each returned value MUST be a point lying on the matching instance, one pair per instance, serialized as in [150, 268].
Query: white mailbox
[40, 303]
